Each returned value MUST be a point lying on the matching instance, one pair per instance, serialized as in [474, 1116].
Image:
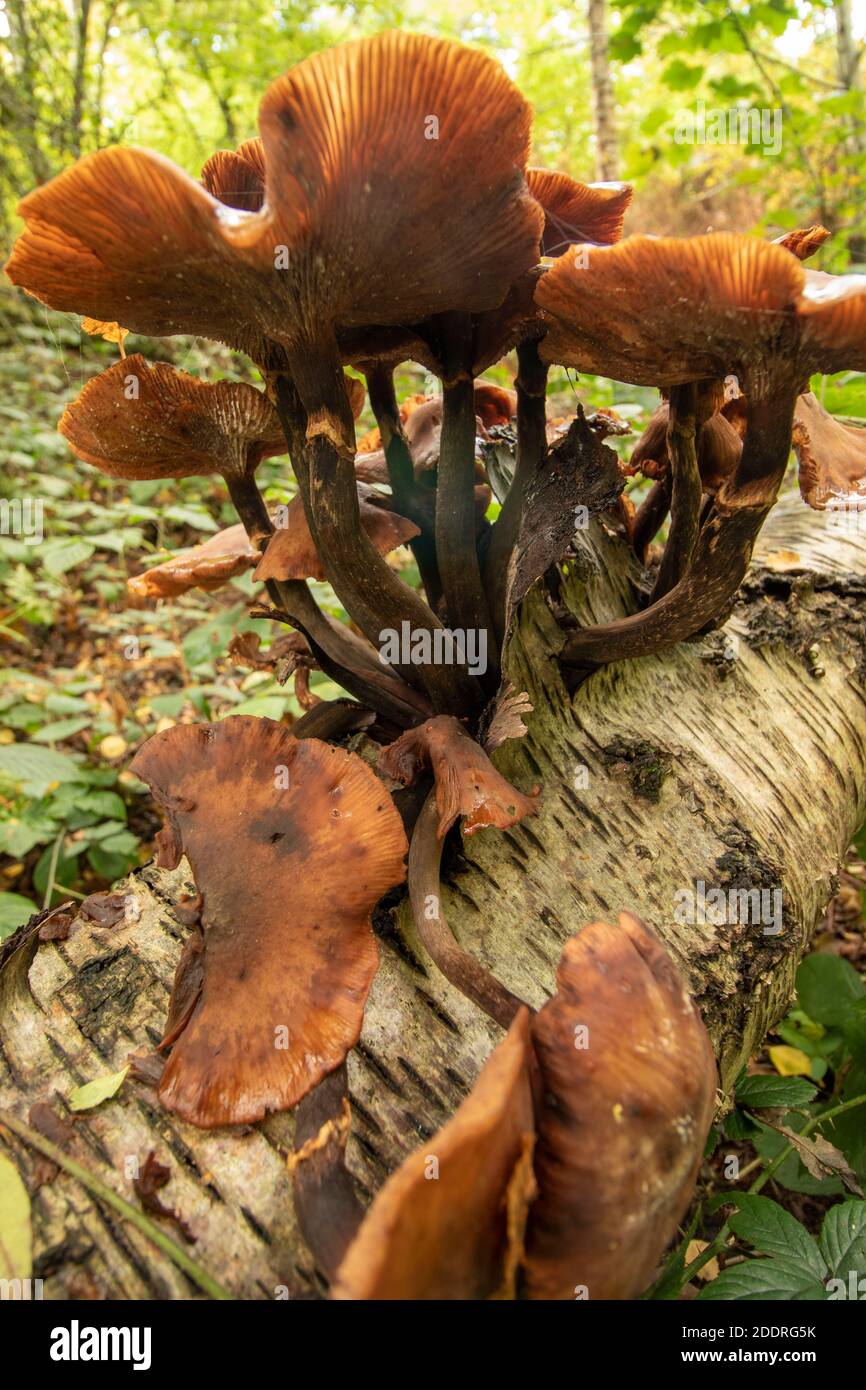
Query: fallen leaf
[707, 1271]
[790, 1061]
[93, 1093]
[16, 1238]
[821, 1159]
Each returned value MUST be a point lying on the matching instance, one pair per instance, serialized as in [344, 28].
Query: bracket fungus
[283, 980]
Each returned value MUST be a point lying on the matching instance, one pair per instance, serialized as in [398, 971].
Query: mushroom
[108, 236]
[137, 421]
[467, 783]
[283, 976]
[831, 455]
[292, 553]
[448, 1224]
[668, 313]
[627, 1094]
[570, 1165]
[573, 212]
[578, 212]
[207, 566]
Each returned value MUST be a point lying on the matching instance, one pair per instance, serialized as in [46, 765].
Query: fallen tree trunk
[735, 761]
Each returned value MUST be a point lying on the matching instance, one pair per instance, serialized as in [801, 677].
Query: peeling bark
[738, 759]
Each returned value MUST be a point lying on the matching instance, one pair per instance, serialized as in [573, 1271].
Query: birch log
[737, 760]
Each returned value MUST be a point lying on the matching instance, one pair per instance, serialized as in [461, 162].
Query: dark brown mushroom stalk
[340, 257]
[573, 213]
[666, 313]
[401, 476]
[272, 991]
[466, 784]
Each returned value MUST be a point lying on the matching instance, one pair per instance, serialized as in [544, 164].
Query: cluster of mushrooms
[387, 214]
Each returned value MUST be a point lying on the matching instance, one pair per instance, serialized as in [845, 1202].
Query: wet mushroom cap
[803, 241]
[628, 1083]
[291, 844]
[832, 457]
[109, 235]
[291, 551]
[719, 449]
[577, 212]
[139, 421]
[207, 566]
[467, 783]
[455, 1235]
[662, 311]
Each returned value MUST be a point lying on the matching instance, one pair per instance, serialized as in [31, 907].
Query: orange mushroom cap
[467, 783]
[719, 449]
[803, 241]
[628, 1082]
[207, 566]
[832, 457]
[458, 1235]
[351, 184]
[138, 421]
[291, 551]
[663, 311]
[291, 844]
[577, 212]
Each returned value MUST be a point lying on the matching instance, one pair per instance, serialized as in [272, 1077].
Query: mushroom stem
[401, 472]
[462, 969]
[650, 516]
[326, 1206]
[686, 489]
[721, 556]
[456, 548]
[342, 655]
[372, 594]
[531, 386]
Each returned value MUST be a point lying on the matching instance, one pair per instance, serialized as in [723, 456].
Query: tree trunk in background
[737, 759]
[848, 68]
[77, 115]
[606, 158]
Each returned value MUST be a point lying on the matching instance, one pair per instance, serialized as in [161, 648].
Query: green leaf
[680, 76]
[35, 768]
[843, 1239]
[191, 516]
[62, 728]
[773, 1231]
[108, 865]
[65, 554]
[855, 1030]
[774, 1280]
[763, 1092]
[16, 1238]
[827, 986]
[15, 910]
[93, 1093]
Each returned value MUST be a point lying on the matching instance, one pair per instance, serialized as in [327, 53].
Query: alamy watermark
[444, 646]
[22, 517]
[738, 125]
[720, 907]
